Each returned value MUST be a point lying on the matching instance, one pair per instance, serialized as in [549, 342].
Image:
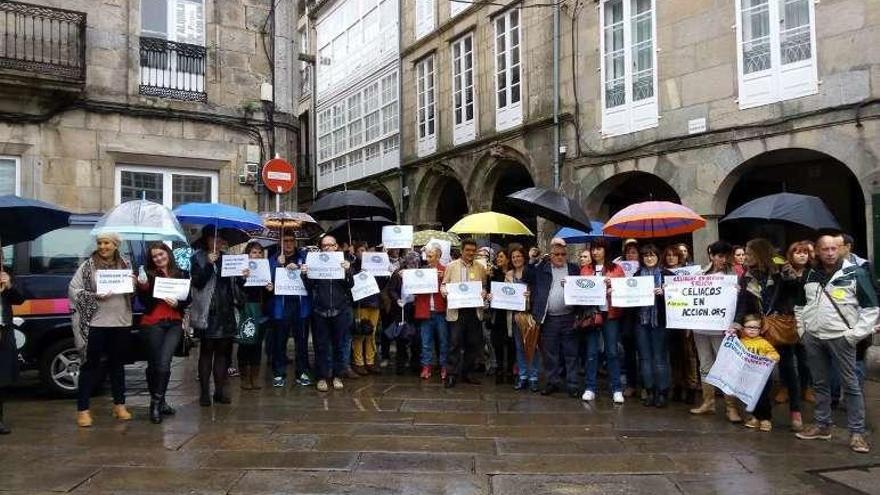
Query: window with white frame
[508, 84]
[628, 68]
[389, 104]
[426, 99]
[424, 17]
[456, 6]
[168, 186]
[10, 175]
[776, 55]
[178, 70]
[463, 104]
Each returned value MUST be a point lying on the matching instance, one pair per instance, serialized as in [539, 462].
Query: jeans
[327, 332]
[654, 356]
[435, 323]
[629, 327]
[162, 339]
[707, 350]
[112, 342]
[527, 371]
[822, 354]
[788, 371]
[609, 333]
[465, 342]
[559, 346]
[289, 325]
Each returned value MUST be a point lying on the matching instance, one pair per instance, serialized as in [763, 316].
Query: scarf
[648, 314]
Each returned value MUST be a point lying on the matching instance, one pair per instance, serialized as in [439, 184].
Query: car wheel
[59, 368]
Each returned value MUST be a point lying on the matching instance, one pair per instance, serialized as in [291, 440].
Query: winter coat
[423, 301]
[8, 349]
[538, 278]
[214, 299]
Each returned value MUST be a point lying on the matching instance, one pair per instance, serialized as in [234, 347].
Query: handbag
[587, 321]
[249, 325]
[780, 329]
[185, 344]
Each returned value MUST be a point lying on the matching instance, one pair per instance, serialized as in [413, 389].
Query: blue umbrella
[23, 219]
[219, 215]
[141, 220]
[579, 236]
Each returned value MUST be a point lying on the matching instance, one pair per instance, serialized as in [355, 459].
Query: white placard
[114, 281]
[688, 270]
[445, 249]
[325, 266]
[364, 286]
[289, 283]
[585, 291]
[397, 236]
[171, 288]
[233, 264]
[419, 281]
[376, 264]
[739, 372]
[700, 302]
[632, 292]
[508, 296]
[629, 267]
[464, 295]
[260, 275]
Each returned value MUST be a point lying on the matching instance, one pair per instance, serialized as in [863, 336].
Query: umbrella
[577, 236]
[808, 211]
[219, 215]
[490, 222]
[654, 219]
[530, 333]
[422, 237]
[23, 219]
[363, 229]
[341, 205]
[552, 205]
[141, 220]
[301, 224]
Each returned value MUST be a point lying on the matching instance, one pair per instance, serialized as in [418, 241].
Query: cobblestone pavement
[391, 434]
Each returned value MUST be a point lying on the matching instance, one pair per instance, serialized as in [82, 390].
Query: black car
[42, 270]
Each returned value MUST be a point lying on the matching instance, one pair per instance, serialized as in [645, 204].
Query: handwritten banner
[231, 265]
[171, 288]
[739, 372]
[700, 302]
[114, 281]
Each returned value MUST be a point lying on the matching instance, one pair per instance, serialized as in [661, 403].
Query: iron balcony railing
[43, 41]
[173, 70]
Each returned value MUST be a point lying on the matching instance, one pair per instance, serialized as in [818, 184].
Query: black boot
[661, 399]
[648, 401]
[162, 380]
[3, 429]
[205, 395]
[155, 409]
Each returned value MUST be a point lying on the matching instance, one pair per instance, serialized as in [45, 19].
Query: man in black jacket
[331, 318]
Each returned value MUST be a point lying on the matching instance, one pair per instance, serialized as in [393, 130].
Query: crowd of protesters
[820, 288]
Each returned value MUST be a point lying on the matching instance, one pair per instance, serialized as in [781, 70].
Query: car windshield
[62, 251]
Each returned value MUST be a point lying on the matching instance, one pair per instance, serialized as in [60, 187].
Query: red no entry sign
[279, 175]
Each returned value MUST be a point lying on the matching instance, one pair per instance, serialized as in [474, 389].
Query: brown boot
[708, 405]
[245, 382]
[810, 395]
[781, 396]
[731, 409]
[254, 378]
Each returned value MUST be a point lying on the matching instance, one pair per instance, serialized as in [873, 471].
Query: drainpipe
[556, 161]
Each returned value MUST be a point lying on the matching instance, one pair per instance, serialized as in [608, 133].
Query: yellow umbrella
[490, 222]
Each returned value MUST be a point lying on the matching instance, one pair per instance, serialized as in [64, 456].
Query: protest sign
[259, 275]
[700, 302]
[508, 296]
[419, 281]
[464, 295]
[114, 281]
[231, 265]
[445, 249]
[364, 286]
[376, 264]
[632, 292]
[171, 288]
[629, 267]
[325, 265]
[584, 291]
[397, 236]
[739, 372]
[289, 283]
[688, 270]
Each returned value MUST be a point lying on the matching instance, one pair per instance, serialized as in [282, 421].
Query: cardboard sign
[508, 296]
[289, 283]
[397, 236]
[464, 295]
[585, 291]
[364, 286]
[114, 281]
[376, 264]
[171, 288]
[231, 265]
[632, 292]
[700, 302]
[325, 266]
[420, 281]
[739, 372]
[259, 275]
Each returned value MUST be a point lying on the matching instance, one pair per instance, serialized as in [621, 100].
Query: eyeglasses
[328, 245]
[752, 327]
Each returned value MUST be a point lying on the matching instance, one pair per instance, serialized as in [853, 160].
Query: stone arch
[495, 165]
[622, 189]
[440, 199]
[380, 191]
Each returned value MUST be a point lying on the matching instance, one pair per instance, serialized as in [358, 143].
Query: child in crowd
[751, 339]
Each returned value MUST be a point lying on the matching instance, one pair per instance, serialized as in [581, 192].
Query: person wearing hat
[212, 314]
[101, 326]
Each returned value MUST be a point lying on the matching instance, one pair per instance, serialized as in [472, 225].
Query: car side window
[61, 251]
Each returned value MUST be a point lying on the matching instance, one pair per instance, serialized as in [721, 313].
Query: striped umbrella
[653, 219]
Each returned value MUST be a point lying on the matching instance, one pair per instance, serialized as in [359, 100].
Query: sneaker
[278, 382]
[443, 374]
[752, 423]
[534, 386]
[857, 443]
[765, 425]
[232, 372]
[337, 384]
[304, 380]
[618, 397]
[588, 396]
[797, 423]
[322, 386]
[815, 432]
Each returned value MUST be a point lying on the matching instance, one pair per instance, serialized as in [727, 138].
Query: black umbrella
[23, 219]
[343, 205]
[800, 209]
[552, 205]
[362, 229]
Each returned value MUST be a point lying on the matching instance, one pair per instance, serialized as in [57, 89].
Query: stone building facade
[163, 99]
[704, 102]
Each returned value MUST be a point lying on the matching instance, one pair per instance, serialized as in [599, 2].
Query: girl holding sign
[160, 325]
[101, 325]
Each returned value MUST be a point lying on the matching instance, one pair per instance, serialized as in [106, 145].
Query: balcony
[172, 70]
[42, 44]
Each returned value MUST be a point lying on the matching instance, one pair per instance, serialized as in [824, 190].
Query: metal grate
[172, 70]
[43, 40]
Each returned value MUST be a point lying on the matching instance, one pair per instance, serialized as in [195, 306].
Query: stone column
[704, 237]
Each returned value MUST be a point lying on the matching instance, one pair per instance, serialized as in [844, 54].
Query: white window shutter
[190, 22]
[424, 17]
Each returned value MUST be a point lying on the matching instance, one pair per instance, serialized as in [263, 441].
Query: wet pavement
[390, 434]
